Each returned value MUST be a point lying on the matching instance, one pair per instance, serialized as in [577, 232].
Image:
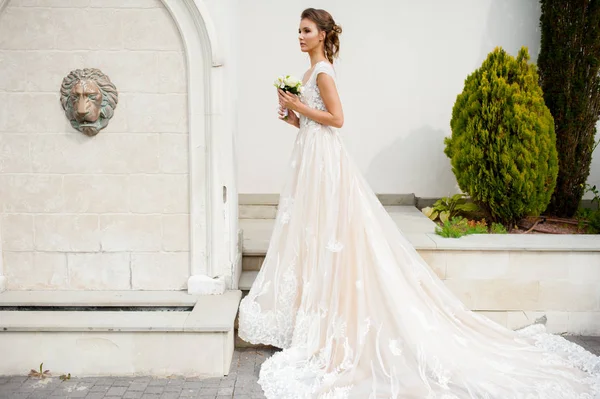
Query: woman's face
[309, 36]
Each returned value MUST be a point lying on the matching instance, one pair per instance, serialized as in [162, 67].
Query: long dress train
[358, 312]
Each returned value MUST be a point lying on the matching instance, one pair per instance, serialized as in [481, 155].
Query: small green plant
[498, 228]
[448, 207]
[589, 218]
[39, 374]
[459, 226]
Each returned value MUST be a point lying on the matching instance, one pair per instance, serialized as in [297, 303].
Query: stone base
[158, 354]
[196, 343]
[204, 285]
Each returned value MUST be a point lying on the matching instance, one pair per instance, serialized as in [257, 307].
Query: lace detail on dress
[312, 95]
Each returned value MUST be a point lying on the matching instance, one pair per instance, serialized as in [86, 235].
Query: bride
[356, 310]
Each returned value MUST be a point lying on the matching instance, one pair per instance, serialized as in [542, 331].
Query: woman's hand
[291, 118]
[289, 100]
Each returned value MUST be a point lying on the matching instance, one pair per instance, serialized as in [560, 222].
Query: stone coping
[211, 313]
[420, 231]
[97, 298]
[273, 199]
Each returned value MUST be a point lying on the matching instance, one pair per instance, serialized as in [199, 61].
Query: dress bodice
[311, 96]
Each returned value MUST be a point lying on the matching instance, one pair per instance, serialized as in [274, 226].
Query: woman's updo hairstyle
[325, 23]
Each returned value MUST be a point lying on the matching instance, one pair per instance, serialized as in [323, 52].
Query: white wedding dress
[359, 314]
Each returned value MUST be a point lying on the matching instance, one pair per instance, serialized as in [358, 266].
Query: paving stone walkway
[239, 384]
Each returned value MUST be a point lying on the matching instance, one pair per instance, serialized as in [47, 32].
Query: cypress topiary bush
[503, 146]
[569, 67]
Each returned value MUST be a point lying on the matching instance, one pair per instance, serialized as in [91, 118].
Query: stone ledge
[214, 313]
[420, 232]
[518, 242]
[97, 298]
[273, 199]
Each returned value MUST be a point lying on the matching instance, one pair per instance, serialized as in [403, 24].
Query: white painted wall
[402, 65]
[108, 212]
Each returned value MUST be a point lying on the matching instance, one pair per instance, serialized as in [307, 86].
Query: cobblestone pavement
[239, 384]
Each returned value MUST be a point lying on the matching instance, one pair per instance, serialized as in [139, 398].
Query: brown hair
[325, 23]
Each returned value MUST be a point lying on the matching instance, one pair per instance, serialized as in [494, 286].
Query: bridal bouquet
[289, 84]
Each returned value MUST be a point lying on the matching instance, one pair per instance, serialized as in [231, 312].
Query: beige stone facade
[111, 211]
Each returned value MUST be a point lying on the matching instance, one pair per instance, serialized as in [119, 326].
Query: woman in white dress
[356, 310]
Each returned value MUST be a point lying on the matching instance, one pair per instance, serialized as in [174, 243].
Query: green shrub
[503, 146]
[569, 68]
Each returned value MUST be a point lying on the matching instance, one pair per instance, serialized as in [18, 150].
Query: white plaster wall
[108, 212]
[402, 65]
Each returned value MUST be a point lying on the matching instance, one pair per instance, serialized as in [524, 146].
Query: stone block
[172, 77]
[497, 317]
[465, 291]
[33, 25]
[128, 4]
[96, 193]
[17, 232]
[150, 29]
[31, 193]
[160, 271]
[175, 232]
[67, 233]
[14, 153]
[475, 265]
[103, 31]
[50, 3]
[568, 296]
[48, 116]
[162, 113]
[4, 111]
[75, 153]
[497, 294]
[174, 153]
[158, 193]
[557, 322]
[252, 263]
[35, 271]
[99, 271]
[13, 74]
[584, 267]
[507, 295]
[436, 261]
[539, 265]
[46, 70]
[115, 353]
[584, 323]
[257, 211]
[130, 232]
[130, 71]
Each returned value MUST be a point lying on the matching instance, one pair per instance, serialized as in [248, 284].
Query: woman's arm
[334, 116]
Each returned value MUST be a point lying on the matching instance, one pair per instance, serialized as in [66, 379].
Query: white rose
[291, 81]
[278, 82]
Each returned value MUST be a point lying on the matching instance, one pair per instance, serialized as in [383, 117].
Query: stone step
[247, 279]
[257, 233]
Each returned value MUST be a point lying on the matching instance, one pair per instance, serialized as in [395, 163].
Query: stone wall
[514, 288]
[103, 212]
